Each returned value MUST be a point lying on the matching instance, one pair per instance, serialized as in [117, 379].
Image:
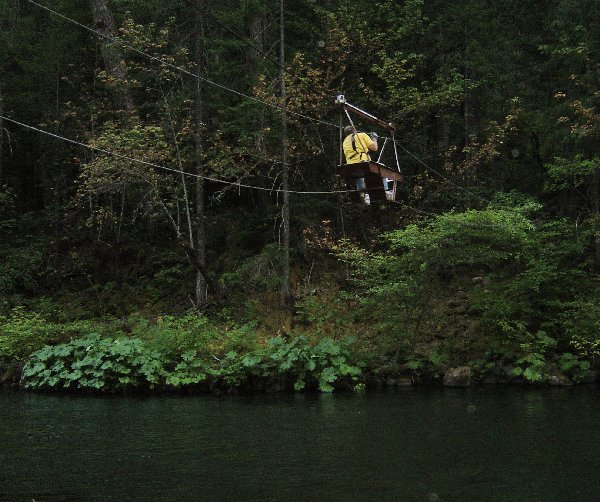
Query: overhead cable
[175, 67]
[171, 169]
[445, 178]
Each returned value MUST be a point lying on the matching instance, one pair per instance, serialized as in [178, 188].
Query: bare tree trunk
[468, 123]
[287, 296]
[113, 63]
[257, 32]
[596, 202]
[1, 139]
[200, 223]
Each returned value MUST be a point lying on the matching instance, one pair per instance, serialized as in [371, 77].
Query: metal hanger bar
[396, 153]
[366, 116]
[382, 149]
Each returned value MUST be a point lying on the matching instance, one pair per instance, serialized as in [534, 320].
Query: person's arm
[373, 145]
[367, 142]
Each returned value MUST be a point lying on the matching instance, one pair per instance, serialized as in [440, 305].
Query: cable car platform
[373, 173]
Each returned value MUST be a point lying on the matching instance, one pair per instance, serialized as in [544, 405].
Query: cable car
[376, 175]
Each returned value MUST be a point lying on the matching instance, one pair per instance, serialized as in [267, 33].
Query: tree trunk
[113, 63]
[200, 223]
[287, 296]
[1, 139]
[596, 202]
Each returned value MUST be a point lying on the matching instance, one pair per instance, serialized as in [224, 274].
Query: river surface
[488, 444]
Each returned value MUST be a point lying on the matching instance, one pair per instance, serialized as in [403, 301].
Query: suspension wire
[225, 182]
[171, 169]
[175, 67]
[445, 178]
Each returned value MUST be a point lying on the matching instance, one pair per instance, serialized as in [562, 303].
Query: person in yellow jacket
[357, 146]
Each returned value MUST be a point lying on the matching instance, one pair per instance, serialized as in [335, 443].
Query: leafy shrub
[293, 363]
[173, 336]
[572, 366]
[22, 333]
[259, 272]
[21, 268]
[94, 363]
[107, 364]
[535, 353]
[428, 365]
[191, 370]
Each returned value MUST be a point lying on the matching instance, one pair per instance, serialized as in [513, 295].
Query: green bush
[94, 363]
[172, 336]
[191, 370]
[285, 364]
[22, 333]
[294, 363]
[22, 268]
[418, 280]
[119, 364]
[572, 366]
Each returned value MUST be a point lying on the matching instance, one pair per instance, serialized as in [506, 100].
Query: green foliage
[191, 370]
[173, 335]
[429, 365]
[565, 174]
[418, 264]
[94, 363]
[295, 363]
[586, 348]
[23, 332]
[22, 268]
[446, 73]
[572, 366]
[120, 364]
[259, 272]
[7, 203]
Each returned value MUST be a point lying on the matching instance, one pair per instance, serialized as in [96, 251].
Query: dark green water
[508, 444]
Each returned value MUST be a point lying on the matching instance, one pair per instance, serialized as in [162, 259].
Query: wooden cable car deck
[373, 174]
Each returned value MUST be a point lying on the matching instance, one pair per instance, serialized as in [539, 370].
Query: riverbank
[334, 346]
[194, 376]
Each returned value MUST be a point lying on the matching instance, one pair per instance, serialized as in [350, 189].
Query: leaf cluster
[119, 364]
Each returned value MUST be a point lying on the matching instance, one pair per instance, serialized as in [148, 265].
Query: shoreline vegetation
[480, 296]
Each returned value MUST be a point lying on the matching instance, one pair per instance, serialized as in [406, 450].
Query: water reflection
[425, 444]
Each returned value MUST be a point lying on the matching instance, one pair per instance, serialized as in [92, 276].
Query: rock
[11, 374]
[391, 381]
[480, 282]
[559, 380]
[458, 377]
[591, 376]
[491, 379]
[454, 302]
[405, 382]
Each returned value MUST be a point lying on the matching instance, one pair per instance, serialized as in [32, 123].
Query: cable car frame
[373, 172]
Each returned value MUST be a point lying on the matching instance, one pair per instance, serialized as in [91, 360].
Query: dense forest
[171, 216]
